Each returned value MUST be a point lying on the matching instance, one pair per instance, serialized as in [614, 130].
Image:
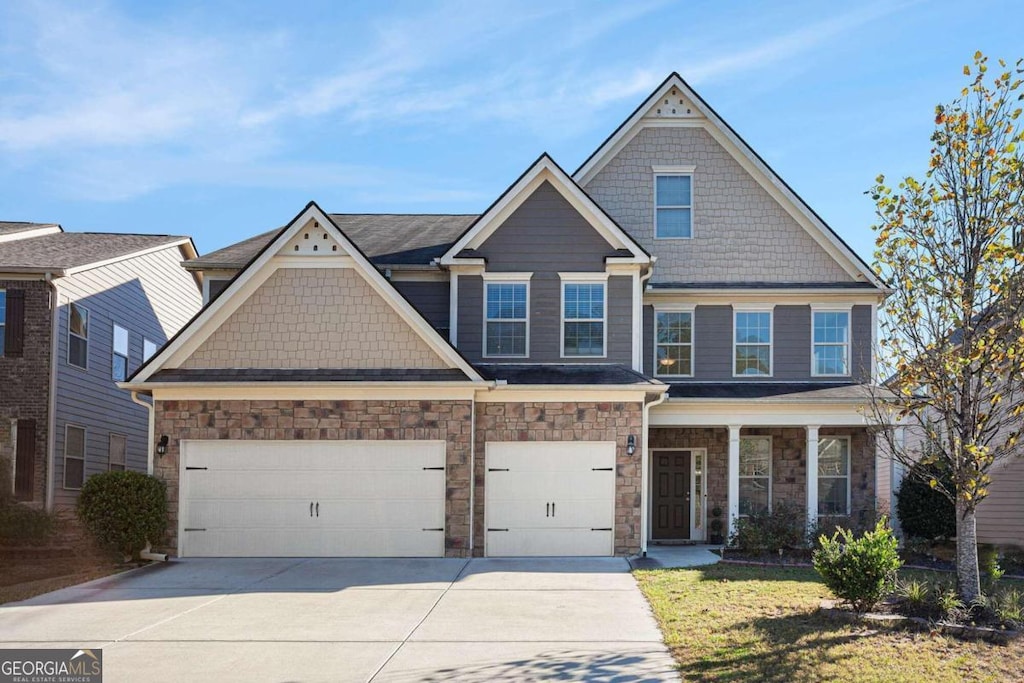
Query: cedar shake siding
[26, 379]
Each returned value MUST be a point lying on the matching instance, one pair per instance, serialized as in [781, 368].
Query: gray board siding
[430, 298]
[791, 345]
[151, 296]
[546, 236]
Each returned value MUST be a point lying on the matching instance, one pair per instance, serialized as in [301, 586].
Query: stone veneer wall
[575, 421]
[321, 420]
[789, 464]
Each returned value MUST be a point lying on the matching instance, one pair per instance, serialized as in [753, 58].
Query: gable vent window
[78, 336]
[673, 198]
[119, 361]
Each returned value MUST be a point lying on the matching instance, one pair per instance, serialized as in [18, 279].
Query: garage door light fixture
[161, 446]
[631, 444]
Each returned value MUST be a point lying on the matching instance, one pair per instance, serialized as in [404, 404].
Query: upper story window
[119, 360]
[673, 204]
[506, 324]
[752, 343]
[583, 319]
[755, 474]
[834, 475]
[148, 349]
[673, 342]
[78, 336]
[3, 320]
[831, 356]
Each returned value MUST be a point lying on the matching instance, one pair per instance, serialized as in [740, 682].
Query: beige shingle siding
[1001, 515]
[740, 232]
[315, 318]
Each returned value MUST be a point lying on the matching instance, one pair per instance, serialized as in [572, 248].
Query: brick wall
[318, 420]
[789, 463]
[568, 422]
[26, 380]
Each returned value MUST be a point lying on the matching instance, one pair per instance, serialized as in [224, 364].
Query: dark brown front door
[671, 495]
[25, 460]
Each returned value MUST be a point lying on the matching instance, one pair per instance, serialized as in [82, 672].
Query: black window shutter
[14, 329]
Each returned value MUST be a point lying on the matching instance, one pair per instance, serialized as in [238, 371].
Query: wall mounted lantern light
[161, 446]
[630, 444]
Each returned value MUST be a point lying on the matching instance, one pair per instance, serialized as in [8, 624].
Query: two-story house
[80, 312]
[597, 362]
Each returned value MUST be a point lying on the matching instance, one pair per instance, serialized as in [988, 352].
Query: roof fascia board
[29, 234]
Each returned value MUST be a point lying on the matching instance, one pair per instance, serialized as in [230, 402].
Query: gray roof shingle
[13, 227]
[66, 250]
[310, 375]
[782, 391]
[588, 374]
[387, 239]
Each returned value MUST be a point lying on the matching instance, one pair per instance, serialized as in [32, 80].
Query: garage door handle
[310, 508]
[318, 508]
[552, 509]
[547, 509]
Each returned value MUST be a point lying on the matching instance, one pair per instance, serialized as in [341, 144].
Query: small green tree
[953, 328]
[859, 570]
[124, 510]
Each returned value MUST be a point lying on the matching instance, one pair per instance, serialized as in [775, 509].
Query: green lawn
[734, 623]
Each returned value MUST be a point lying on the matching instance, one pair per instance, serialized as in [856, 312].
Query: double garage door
[387, 498]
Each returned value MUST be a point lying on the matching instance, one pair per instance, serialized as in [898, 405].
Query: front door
[671, 496]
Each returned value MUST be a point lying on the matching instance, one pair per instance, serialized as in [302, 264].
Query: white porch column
[734, 478]
[812, 475]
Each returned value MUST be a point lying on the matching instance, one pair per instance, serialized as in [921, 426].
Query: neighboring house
[78, 313]
[597, 362]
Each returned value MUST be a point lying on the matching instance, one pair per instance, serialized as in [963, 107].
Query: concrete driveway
[355, 620]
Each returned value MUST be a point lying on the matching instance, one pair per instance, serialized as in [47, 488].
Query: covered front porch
[710, 462]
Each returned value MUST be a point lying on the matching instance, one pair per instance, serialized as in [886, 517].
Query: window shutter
[15, 324]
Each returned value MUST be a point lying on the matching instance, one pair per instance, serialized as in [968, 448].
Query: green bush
[22, 524]
[859, 570]
[781, 528]
[925, 512]
[124, 510]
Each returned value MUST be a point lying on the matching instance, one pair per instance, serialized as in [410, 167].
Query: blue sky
[221, 122]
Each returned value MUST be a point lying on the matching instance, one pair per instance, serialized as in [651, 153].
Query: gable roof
[387, 239]
[64, 253]
[544, 169]
[744, 154]
[211, 316]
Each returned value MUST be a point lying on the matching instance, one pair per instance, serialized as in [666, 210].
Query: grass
[738, 623]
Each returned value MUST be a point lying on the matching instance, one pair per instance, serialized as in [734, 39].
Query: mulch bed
[833, 610]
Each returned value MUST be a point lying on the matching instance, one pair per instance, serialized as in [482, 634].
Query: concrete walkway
[668, 556]
[355, 620]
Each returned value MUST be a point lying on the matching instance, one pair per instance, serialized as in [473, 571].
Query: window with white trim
[148, 349]
[755, 474]
[583, 319]
[74, 457]
[117, 456]
[831, 356]
[119, 359]
[507, 317]
[78, 336]
[834, 475]
[673, 206]
[673, 343]
[753, 343]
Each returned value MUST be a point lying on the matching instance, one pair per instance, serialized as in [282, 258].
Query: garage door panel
[548, 542]
[252, 542]
[381, 543]
[424, 512]
[242, 514]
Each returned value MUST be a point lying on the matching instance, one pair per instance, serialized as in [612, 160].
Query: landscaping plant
[860, 570]
[124, 510]
[923, 510]
[770, 531]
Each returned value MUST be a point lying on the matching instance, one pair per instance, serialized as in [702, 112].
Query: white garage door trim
[365, 498]
[549, 498]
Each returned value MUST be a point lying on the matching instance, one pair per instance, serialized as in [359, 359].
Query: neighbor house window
[507, 313]
[831, 343]
[3, 319]
[673, 341]
[119, 363]
[753, 343]
[834, 475]
[213, 286]
[78, 336]
[583, 318]
[673, 209]
[74, 457]
[755, 474]
[148, 349]
[118, 454]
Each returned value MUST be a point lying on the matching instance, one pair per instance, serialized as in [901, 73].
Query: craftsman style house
[78, 313]
[640, 352]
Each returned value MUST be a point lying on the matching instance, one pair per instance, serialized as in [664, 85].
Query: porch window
[831, 343]
[583, 319]
[834, 475]
[755, 474]
[506, 312]
[674, 343]
[753, 343]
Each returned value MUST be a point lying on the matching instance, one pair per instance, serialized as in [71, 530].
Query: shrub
[771, 531]
[924, 511]
[1009, 606]
[916, 596]
[859, 570]
[988, 562]
[20, 524]
[124, 510]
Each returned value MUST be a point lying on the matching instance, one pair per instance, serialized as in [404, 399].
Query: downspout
[644, 468]
[472, 471]
[51, 421]
[152, 429]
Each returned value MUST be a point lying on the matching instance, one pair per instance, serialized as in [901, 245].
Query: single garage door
[550, 498]
[312, 499]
